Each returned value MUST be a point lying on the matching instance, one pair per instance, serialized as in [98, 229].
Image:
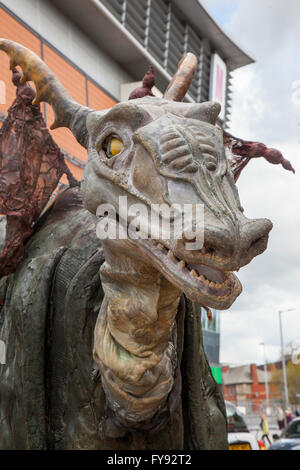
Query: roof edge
[207, 27]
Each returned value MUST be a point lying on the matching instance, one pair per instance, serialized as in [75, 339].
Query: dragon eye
[112, 146]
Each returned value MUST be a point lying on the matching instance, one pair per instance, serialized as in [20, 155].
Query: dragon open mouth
[205, 285]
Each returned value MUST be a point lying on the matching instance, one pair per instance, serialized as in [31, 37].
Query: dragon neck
[135, 336]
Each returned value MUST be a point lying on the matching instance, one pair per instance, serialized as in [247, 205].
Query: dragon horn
[182, 79]
[68, 113]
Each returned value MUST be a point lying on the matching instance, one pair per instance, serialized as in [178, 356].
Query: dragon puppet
[103, 338]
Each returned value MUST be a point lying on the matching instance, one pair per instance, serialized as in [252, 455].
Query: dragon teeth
[193, 272]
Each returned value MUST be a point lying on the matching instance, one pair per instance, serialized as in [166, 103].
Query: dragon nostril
[255, 235]
[209, 250]
[258, 241]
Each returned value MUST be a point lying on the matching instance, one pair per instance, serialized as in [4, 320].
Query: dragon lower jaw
[205, 285]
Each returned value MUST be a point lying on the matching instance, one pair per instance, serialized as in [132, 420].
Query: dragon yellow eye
[112, 146]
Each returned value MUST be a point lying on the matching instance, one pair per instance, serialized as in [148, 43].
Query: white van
[239, 438]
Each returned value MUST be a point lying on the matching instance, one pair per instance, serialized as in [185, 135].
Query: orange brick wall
[97, 98]
[77, 84]
[11, 29]
[74, 82]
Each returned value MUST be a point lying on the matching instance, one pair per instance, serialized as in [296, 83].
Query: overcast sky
[264, 110]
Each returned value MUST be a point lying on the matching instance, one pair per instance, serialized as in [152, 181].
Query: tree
[293, 380]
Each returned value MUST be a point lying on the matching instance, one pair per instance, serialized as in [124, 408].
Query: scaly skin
[134, 336]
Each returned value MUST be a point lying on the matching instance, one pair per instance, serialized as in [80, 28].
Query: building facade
[245, 386]
[211, 342]
[211, 336]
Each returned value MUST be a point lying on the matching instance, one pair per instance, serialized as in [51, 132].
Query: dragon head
[167, 154]
[161, 152]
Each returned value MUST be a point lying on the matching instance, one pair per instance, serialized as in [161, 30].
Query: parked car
[239, 437]
[289, 438]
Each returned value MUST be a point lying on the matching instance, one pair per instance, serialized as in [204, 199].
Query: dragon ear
[207, 111]
[182, 79]
[242, 151]
[68, 113]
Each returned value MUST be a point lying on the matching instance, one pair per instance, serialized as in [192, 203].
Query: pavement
[253, 424]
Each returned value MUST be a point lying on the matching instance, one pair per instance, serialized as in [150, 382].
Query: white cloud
[263, 110]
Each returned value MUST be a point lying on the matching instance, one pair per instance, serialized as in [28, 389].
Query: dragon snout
[226, 248]
[254, 236]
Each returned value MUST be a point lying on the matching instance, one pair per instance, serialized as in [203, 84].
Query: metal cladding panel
[193, 44]
[211, 343]
[176, 43]
[135, 19]
[228, 100]
[115, 6]
[157, 43]
[161, 28]
[205, 73]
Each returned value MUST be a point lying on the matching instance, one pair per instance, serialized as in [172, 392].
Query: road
[253, 424]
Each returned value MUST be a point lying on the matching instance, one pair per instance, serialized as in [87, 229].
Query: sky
[266, 108]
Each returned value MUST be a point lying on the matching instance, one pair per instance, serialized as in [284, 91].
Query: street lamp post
[266, 377]
[286, 394]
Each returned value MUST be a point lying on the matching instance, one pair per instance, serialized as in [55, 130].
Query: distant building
[245, 387]
[211, 336]
[211, 342]
[276, 365]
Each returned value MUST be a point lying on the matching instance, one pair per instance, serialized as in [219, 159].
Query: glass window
[293, 430]
[235, 420]
[214, 323]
